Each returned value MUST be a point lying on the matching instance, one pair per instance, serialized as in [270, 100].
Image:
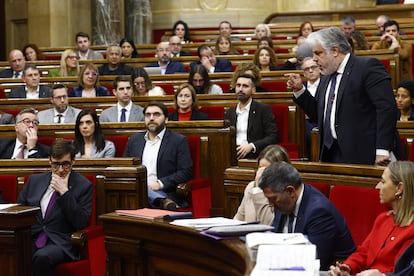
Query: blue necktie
[16, 75]
[290, 223]
[327, 133]
[123, 115]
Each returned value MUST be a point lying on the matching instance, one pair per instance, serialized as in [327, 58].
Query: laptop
[153, 70]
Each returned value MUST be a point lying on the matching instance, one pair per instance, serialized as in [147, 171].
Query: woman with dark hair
[143, 84]
[358, 40]
[186, 105]
[181, 30]
[128, 48]
[405, 100]
[88, 83]
[32, 53]
[89, 140]
[265, 41]
[200, 80]
[265, 59]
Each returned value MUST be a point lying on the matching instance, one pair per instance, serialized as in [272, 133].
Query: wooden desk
[150, 247]
[16, 240]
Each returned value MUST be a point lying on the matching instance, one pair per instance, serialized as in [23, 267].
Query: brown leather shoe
[168, 204]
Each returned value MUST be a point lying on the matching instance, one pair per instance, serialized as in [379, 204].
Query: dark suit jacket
[365, 111]
[172, 67]
[122, 69]
[20, 92]
[71, 212]
[174, 164]
[99, 90]
[7, 147]
[324, 226]
[261, 126]
[222, 65]
[6, 73]
[195, 115]
[405, 263]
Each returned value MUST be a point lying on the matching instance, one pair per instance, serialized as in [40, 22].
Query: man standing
[165, 154]
[125, 110]
[114, 65]
[210, 62]
[300, 208]
[254, 121]
[354, 104]
[17, 63]
[25, 144]
[83, 43]
[167, 66]
[65, 200]
[61, 112]
[32, 89]
[175, 46]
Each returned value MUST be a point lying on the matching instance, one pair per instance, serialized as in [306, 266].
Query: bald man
[167, 66]
[17, 63]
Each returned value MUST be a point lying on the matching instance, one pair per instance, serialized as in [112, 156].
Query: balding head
[16, 60]
[175, 44]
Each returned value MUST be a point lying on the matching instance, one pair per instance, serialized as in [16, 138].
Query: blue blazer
[324, 226]
[172, 68]
[222, 65]
[100, 91]
[411, 118]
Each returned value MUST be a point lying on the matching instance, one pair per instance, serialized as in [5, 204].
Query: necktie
[16, 75]
[42, 238]
[123, 116]
[59, 118]
[327, 133]
[290, 223]
[281, 224]
[20, 155]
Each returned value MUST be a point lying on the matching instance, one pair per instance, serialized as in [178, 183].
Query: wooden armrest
[79, 239]
[183, 190]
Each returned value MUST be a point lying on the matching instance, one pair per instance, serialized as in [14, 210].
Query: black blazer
[195, 116]
[261, 127]
[20, 92]
[222, 65]
[7, 147]
[6, 73]
[173, 67]
[405, 263]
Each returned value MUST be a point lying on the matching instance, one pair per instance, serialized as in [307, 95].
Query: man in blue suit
[165, 154]
[209, 60]
[300, 208]
[167, 66]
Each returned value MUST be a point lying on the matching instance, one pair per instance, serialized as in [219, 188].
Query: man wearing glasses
[25, 145]
[61, 112]
[65, 199]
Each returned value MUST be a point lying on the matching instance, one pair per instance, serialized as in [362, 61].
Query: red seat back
[281, 113]
[120, 142]
[8, 187]
[274, 86]
[213, 112]
[194, 143]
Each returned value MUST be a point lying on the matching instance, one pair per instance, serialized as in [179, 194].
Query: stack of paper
[206, 223]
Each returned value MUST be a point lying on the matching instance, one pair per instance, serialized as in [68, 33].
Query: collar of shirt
[55, 112]
[128, 107]
[341, 67]
[157, 138]
[83, 57]
[246, 108]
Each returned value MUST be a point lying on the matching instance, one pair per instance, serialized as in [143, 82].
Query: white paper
[5, 206]
[205, 223]
[253, 240]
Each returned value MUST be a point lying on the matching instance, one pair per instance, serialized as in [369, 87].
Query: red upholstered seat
[167, 87]
[213, 112]
[322, 187]
[48, 141]
[8, 187]
[120, 142]
[360, 207]
[274, 86]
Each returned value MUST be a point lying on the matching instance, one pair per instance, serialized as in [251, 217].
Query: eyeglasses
[155, 114]
[313, 67]
[27, 122]
[72, 57]
[65, 165]
[63, 97]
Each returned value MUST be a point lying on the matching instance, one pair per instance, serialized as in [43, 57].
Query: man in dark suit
[32, 89]
[300, 208]
[175, 46]
[25, 145]
[17, 63]
[357, 123]
[254, 122]
[167, 66]
[209, 60]
[114, 66]
[165, 154]
[65, 200]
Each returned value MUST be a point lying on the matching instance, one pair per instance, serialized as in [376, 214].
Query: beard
[199, 89]
[243, 98]
[154, 128]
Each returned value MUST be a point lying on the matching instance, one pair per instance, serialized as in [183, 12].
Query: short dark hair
[58, 86]
[29, 66]
[202, 47]
[226, 22]
[121, 78]
[62, 147]
[247, 76]
[160, 105]
[278, 176]
[81, 34]
[391, 23]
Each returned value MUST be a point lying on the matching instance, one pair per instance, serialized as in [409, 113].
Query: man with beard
[167, 66]
[61, 112]
[254, 122]
[165, 154]
[354, 103]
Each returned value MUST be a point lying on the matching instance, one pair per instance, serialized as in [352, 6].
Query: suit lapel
[252, 115]
[321, 92]
[344, 80]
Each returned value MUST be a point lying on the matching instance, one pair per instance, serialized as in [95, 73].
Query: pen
[290, 237]
[292, 268]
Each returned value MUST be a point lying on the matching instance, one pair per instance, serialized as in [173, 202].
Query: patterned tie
[59, 118]
[16, 75]
[42, 238]
[20, 154]
[327, 132]
[123, 115]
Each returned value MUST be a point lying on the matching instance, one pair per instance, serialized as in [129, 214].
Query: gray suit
[20, 92]
[47, 116]
[93, 55]
[111, 114]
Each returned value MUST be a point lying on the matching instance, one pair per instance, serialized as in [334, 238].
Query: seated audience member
[254, 121]
[65, 200]
[17, 62]
[305, 29]
[265, 59]
[392, 232]
[301, 208]
[167, 66]
[186, 105]
[379, 22]
[166, 155]
[391, 40]
[69, 65]
[88, 83]
[404, 265]
[224, 46]
[125, 110]
[348, 25]
[143, 84]
[180, 29]
[25, 145]
[83, 44]
[405, 100]
[32, 53]
[114, 65]
[209, 60]
[261, 31]
[6, 118]
[254, 205]
[128, 48]
[249, 69]
[32, 89]
[176, 47]
[200, 80]
[89, 140]
[294, 63]
[61, 112]
[265, 41]
[225, 28]
[299, 41]
[358, 40]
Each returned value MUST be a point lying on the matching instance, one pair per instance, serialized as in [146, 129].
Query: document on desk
[206, 223]
[5, 206]
[253, 240]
